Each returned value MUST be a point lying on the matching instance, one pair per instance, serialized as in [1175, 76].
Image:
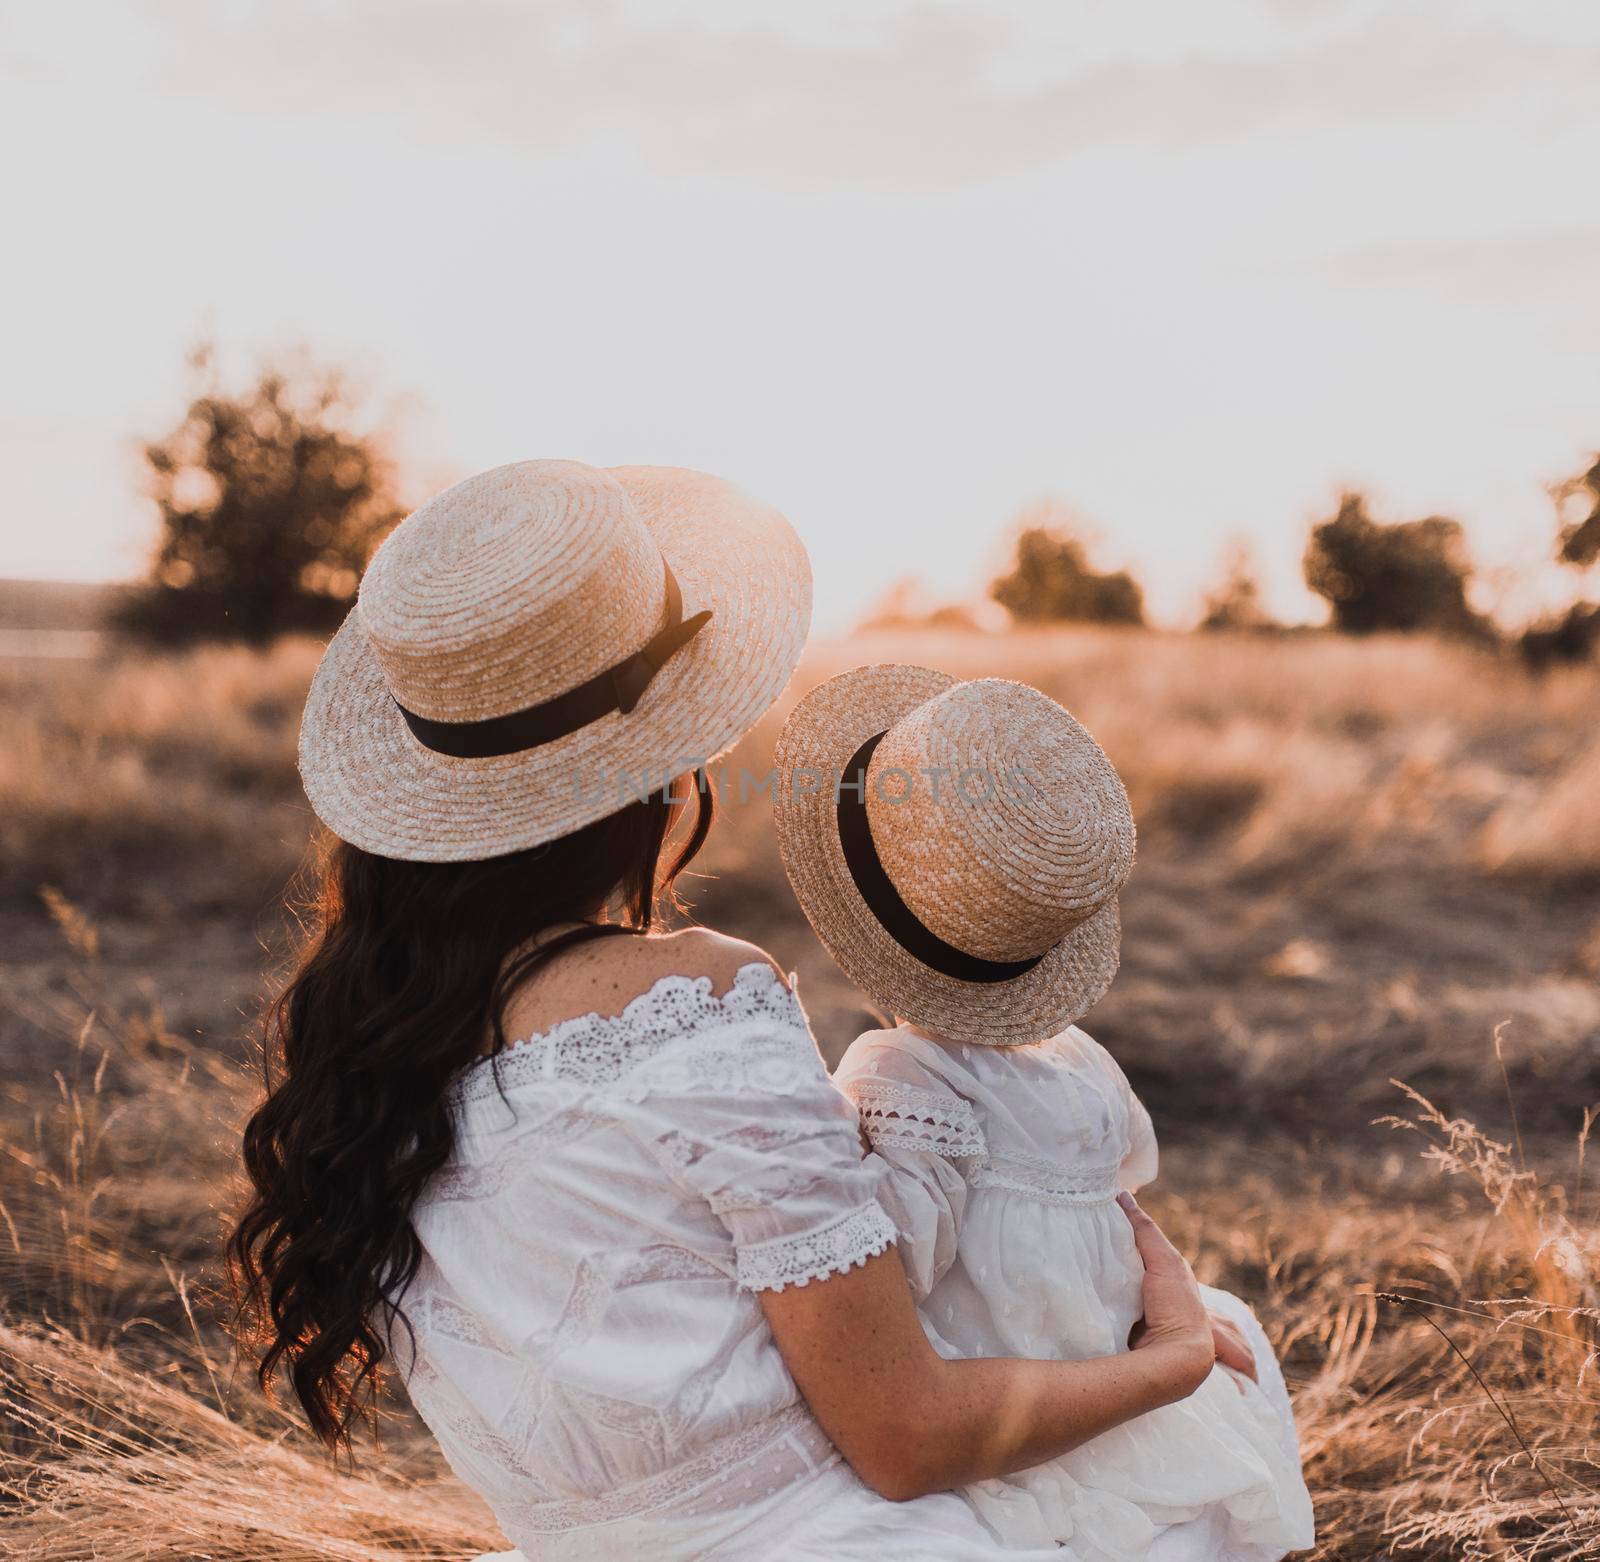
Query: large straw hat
[541, 643]
[958, 847]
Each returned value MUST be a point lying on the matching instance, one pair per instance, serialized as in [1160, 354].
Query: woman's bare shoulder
[700, 951]
[604, 975]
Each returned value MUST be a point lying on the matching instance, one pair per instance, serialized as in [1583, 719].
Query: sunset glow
[900, 269]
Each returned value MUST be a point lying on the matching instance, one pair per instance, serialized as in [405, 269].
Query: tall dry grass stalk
[104, 1180]
[127, 1429]
[1514, 1441]
[135, 760]
[102, 1457]
[1454, 1411]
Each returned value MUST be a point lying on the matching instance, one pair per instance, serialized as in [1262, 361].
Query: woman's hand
[1172, 1299]
[1175, 1318]
[910, 1422]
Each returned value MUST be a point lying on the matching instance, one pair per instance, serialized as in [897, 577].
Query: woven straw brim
[373, 784]
[822, 733]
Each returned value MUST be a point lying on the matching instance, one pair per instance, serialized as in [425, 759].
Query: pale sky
[901, 269]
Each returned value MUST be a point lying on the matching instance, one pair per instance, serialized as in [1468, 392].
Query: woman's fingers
[1233, 1350]
[1172, 1299]
[1145, 1230]
[1174, 1315]
[1151, 1240]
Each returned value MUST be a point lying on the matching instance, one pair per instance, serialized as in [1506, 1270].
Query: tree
[1573, 635]
[1051, 581]
[1410, 575]
[271, 502]
[1236, 603]
[1580, 539]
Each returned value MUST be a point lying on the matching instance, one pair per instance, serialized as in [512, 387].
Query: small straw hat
[958, 847]
[540, 644]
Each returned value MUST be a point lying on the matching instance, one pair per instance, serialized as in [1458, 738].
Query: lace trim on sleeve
[902, 1117]
[843, 1244]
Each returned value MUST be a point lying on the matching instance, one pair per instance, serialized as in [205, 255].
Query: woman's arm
[910, 1422]
[799, 1209]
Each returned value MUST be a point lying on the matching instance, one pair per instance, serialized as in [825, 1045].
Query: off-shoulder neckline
[636, 1005]
[752, 983]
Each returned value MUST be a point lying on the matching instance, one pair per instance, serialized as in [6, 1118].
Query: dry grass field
[1360, 863]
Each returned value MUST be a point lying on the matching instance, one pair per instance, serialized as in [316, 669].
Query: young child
[959, 848]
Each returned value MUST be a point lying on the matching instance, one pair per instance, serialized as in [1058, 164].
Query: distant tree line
[272, 499]
[1375, 576]
[1409, 575]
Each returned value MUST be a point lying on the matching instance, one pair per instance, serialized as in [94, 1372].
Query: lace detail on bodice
[598, 1050]
[902, 1117]
[798, 1260]
[1048, 1182]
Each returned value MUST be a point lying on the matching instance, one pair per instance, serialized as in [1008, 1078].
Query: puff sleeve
[919, 1129]
[1140, 1164]
[751, 1123]
[1143, 1157]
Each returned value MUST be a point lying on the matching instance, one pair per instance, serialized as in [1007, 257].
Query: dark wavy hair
[404, 977]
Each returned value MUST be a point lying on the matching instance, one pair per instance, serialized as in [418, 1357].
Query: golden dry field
[1361, 862]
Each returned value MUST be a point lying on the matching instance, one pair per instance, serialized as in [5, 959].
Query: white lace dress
[588, 1348]
[1001, 1167]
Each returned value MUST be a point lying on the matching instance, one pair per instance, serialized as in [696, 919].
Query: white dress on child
[1001, 1167]
[588, 1346]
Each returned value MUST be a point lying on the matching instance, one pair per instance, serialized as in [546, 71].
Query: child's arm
[925, 1196]
[918, 1131]
[1143, 1160]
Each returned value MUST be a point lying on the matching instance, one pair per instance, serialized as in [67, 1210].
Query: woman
[589, 1185]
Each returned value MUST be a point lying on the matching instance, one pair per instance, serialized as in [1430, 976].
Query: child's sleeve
[1140, 1164]
[919, 1130]
[1141, 1157]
